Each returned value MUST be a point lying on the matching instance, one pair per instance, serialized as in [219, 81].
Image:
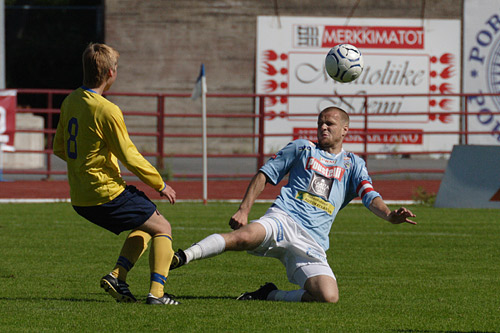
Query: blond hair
[97, 60]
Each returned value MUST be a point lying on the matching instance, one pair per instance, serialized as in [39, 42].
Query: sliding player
[323, 178]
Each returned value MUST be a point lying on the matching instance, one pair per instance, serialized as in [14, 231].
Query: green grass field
[442, 275]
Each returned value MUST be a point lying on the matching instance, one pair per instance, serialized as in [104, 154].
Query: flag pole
[200, 89]
[204, 131]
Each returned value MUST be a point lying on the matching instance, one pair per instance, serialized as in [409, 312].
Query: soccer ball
[344, 63]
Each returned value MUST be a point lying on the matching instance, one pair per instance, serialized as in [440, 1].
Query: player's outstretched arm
[401, 215]
[255, 188]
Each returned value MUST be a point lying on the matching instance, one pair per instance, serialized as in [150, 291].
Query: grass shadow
[68, 299]
[205, 297]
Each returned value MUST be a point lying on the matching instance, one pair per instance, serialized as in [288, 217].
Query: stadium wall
[162, 44]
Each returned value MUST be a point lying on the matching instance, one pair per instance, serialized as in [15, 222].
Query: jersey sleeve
[279, 165]
[119, 143]
[58, 143]
[360, 184]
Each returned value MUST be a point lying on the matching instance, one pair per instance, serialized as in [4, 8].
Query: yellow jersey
[90, 137]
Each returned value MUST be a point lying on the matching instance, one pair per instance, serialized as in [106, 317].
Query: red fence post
[260, 158]
[466, 120]
[49, 135]
[160, 131]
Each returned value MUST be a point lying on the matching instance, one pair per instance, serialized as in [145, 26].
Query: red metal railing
[160, 115]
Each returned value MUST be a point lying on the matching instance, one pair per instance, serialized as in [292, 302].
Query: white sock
[286, 296]
[206, 248]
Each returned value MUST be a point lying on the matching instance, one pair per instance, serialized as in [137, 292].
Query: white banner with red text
[401, 56]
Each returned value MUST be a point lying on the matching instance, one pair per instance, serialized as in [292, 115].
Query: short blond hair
[97, 59]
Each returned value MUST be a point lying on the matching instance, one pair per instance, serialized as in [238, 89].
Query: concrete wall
[163, 42]
[26, 141]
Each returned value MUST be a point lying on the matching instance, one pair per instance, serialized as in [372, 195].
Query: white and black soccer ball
[344, 63]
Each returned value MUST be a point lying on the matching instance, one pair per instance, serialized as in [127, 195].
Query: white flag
[201, 84]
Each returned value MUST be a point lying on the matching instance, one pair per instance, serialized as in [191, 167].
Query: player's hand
[401, 215]
[169, 193]
[238, 220]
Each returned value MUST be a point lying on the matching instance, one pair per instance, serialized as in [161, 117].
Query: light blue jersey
[319, 185]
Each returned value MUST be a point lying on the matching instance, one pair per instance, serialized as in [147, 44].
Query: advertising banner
[482, 68]
[8, 101]
[401, 56]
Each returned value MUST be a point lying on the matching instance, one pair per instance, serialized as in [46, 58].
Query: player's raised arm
[255, 188]
[401, 215]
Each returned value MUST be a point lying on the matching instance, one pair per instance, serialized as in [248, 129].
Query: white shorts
[287, 241]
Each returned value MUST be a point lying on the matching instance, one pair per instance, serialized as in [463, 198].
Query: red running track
[193, 190]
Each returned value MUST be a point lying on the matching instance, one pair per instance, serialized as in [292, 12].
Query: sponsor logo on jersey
[320, 186]
[327, 161]
[302, 148]
[315, 201]
[335, 172]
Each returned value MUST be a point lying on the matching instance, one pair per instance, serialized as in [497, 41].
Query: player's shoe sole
[166, 299]
[117, 289]
[259, 294]
[178, 260]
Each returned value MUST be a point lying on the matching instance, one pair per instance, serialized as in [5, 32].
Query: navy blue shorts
[127, 211]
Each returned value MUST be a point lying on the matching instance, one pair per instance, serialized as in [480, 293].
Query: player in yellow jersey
[91, 136]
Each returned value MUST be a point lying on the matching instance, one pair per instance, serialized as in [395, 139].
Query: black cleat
[166, 299]
[117, 289]
[178, 260]
[259, 294]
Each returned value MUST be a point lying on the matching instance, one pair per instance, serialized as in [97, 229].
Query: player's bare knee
[242, 241]
[333, 298]
[157, 224]
[238, 241]
[327, 298]
[324, 295]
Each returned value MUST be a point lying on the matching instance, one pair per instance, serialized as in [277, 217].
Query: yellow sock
[134, 246]
[160, 257]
